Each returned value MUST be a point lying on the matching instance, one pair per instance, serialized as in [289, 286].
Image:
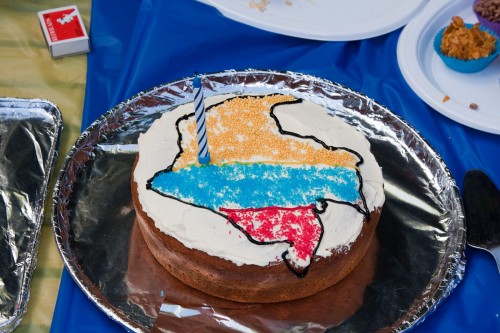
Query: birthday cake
[286, 207]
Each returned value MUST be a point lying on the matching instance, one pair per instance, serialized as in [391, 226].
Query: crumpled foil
[29, 137]
[421, 234]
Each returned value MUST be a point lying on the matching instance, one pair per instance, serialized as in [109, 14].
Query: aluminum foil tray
[29, 137]
[421, 235]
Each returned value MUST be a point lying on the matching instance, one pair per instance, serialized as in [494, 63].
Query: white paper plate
[432, 80]
[329, 20]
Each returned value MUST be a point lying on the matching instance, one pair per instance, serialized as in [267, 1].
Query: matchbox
[64, 31]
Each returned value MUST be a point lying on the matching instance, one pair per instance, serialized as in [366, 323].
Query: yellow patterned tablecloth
[28, 71]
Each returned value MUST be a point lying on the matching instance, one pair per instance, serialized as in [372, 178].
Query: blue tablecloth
[139, 44]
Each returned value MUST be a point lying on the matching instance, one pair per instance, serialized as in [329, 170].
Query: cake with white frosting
[286, 207]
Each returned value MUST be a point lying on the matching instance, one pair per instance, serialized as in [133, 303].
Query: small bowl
[466, 66]
[490, 25]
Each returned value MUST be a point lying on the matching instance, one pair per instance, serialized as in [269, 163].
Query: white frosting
[201, 229]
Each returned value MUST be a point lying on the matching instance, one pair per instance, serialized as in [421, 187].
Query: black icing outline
[322, 202]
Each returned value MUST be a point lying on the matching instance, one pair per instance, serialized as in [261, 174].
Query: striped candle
[201, 126]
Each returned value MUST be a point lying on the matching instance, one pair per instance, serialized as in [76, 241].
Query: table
[137, 45]
[28, 71]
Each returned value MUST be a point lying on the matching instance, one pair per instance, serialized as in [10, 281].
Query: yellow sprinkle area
[241, 128]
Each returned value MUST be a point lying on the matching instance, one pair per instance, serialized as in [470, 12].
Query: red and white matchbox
[64, 31]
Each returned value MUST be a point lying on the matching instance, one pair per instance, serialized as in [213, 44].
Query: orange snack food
[466, 44]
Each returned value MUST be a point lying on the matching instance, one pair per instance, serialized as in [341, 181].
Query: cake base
[151, 286]
[249, 283]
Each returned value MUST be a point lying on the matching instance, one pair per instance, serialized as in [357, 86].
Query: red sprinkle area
[299, 226]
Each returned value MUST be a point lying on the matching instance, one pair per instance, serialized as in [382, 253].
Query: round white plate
[431, 80]
[328, 20]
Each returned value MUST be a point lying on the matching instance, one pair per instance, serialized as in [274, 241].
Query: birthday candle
[201, 126]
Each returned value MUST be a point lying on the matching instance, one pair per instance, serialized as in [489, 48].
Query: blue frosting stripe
[257, 185]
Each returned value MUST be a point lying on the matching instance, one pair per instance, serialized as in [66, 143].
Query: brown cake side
[151, 285]
[249, 283]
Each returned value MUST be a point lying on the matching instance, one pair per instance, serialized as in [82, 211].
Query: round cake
[286, 207]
